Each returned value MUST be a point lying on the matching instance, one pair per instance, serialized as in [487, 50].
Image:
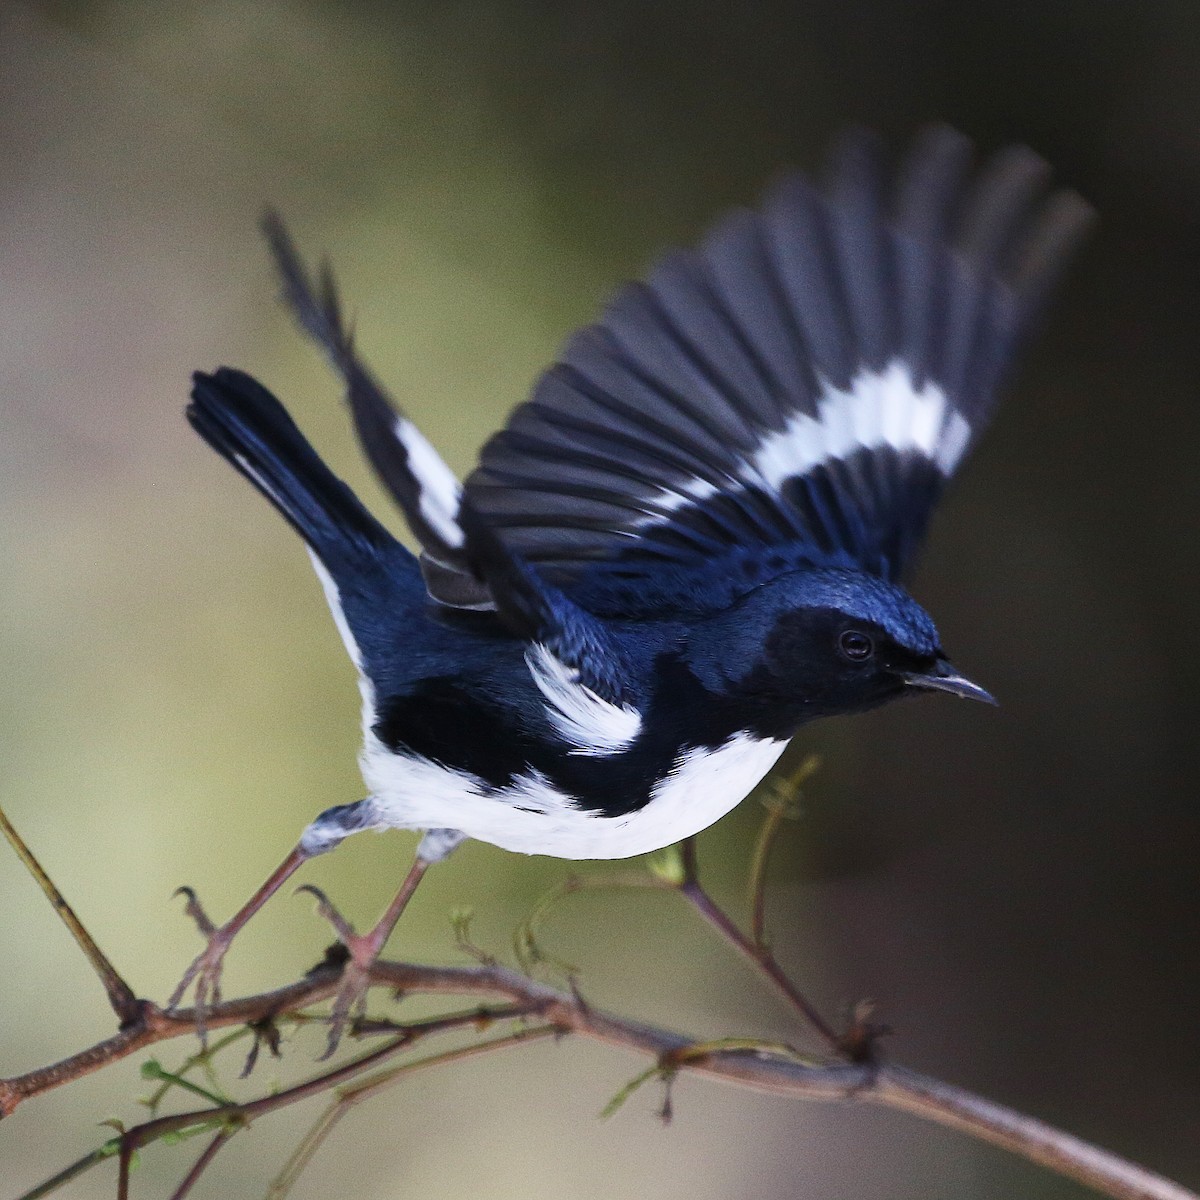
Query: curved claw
[356, 971]
[327, 911]
[350, 1001]
[205, 972]
[363, 950]
[195, 910]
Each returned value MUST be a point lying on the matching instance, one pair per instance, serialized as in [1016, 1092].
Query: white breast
[532, 816]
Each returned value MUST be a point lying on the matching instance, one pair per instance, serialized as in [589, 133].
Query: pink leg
[206, 969]
[363, 949]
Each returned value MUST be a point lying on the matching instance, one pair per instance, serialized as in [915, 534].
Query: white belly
[532, 816]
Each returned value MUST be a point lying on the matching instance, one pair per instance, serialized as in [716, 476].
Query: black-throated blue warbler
[686, 544]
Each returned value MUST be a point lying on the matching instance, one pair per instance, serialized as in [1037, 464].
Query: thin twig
[784, 795]
[201, 1164]
[479, 1018]
[771, 825]
[120, 995]
[353, 1094]
[693, 891]
[1033, 1140]
[77, 1168]
[155, 1025]
[124, 1163]
[309, 1144]
[526, 947]
[232, 1116]
[202, 1057]
[227, 1118]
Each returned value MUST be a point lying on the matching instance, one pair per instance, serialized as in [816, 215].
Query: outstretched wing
[807, 379]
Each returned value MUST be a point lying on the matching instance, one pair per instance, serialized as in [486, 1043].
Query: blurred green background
[1017, 887]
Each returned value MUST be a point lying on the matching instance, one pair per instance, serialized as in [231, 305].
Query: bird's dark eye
[856, 646]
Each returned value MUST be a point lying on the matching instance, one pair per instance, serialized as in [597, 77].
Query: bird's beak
[944, 678]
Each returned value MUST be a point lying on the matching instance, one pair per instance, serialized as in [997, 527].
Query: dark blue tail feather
[249, 427]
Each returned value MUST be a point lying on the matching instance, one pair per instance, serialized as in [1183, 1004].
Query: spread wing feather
[807, 379]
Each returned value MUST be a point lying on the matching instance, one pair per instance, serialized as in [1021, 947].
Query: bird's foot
[361, 952]
[205, 971]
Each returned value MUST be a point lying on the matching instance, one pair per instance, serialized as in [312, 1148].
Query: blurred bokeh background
[1017, 887]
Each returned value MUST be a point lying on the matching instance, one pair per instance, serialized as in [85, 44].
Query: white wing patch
[594, 726]
[440, 490]
[880, 408]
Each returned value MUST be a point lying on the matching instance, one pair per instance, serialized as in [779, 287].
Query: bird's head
[814, 643]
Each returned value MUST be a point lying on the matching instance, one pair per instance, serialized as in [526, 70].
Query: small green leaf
[172, 1137]
[460, 921]
[667, 864]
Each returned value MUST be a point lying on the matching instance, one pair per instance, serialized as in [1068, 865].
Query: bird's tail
[249, 427]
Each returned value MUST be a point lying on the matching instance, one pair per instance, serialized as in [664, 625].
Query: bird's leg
[205, 970]
[363, 949]
[330, 828]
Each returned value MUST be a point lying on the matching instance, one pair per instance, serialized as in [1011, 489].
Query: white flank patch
[701, 788]
[534, 817]
[880, 408]
[440, 490]
[593, 725]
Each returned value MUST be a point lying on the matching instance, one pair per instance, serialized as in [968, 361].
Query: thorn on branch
[859, 1041]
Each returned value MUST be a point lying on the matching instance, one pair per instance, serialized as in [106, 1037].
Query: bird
[691, 540]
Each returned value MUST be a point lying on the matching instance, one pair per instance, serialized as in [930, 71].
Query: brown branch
[154, 1025]
[749, 1064]
[892, 1087]
[120, 995]
[1031, 1139]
